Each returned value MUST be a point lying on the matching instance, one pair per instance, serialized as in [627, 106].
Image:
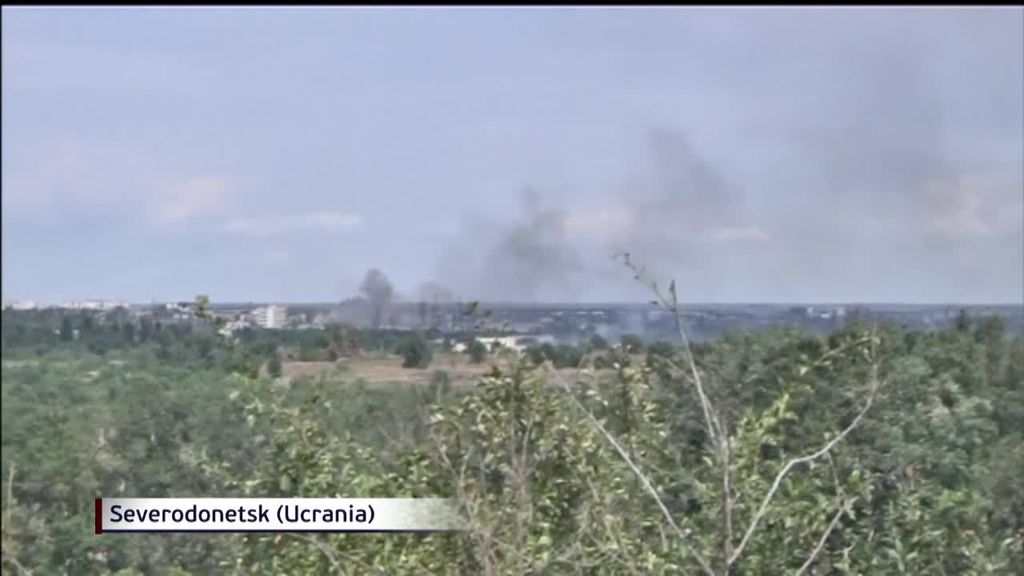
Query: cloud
[276, 256]
[292, 223]
[86, 173]
[62, 67]
[192, 197]
[598, 224]
[614, 224]
[741, 235]
[972, 206]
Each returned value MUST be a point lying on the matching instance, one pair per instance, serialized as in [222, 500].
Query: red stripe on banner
[99, 515]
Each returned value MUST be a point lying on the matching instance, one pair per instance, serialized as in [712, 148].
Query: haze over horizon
[505, 154]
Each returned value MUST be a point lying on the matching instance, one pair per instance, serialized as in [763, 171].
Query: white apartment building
[20, 305]
[517, 343]
[94, 304]
[270, 316]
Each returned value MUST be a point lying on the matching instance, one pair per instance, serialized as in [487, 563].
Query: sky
[754, 155]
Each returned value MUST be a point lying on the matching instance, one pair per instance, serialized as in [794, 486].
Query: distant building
[20, 305]
[517, 343]
[270, 316]
[93, 304]
[233, 326]
[659, 314]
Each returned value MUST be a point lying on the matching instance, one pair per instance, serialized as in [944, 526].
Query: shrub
[632, 343]
[477, 351]
[274, 366]
[415, 352]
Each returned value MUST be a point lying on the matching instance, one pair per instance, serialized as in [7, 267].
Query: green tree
[274, 365]
[88, 323]
[963, 321]
[867, 451]
[662, 349]
[566, 356]
[477, 351]
[67, 329]
[415, 351]
[631, 343]
[128, 332]
[145, 329]
[535, 354]
[201, 307]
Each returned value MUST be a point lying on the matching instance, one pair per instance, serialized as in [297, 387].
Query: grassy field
[387, 369]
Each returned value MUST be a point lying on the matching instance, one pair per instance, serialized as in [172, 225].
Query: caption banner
[276, 515]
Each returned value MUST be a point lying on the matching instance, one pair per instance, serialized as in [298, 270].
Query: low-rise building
[270, 316]
[94, 304]
[233, 326]
[517, 342]
[20, 305]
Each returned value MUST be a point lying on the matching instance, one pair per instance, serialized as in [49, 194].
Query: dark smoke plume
[379, 291]
[532, 258]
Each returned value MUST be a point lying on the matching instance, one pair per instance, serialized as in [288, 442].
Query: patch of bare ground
[388, 370]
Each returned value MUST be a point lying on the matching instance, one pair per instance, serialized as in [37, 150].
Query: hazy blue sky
[275, 154]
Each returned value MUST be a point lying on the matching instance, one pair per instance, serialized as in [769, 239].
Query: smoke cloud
[677, 209]
[528, 259]
[881, 163]
[378, 290]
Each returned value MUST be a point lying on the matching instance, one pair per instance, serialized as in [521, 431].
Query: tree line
[870, 450]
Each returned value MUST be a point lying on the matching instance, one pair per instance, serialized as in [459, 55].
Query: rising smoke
[378, 290]
[872, 162]
[673, 209]
[529, 259]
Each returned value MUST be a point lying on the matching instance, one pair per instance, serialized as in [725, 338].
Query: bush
[415, 351]
[477, 351]
[548, 350]
[603, 362]
[274, 366]
[535, 355]
[440, 384]
[567, 356]
[663, 349]
[632, 343]
[561, 356]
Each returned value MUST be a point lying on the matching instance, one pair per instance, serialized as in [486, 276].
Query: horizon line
[541, 303]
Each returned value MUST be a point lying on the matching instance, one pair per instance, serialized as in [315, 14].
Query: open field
[389, 370]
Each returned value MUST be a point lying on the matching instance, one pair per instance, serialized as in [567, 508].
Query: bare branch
[10, 496]
[804, 459]
[13, 561]
[629, 462]
[717, 434]
[711, 420]
[821, 543]
[711, 423]
[835, 519]
[326, 550]
[727, 503]
[8, 556]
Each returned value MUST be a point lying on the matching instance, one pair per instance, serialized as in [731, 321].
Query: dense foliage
[415, 351]
[477, 351]
[611, 472]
